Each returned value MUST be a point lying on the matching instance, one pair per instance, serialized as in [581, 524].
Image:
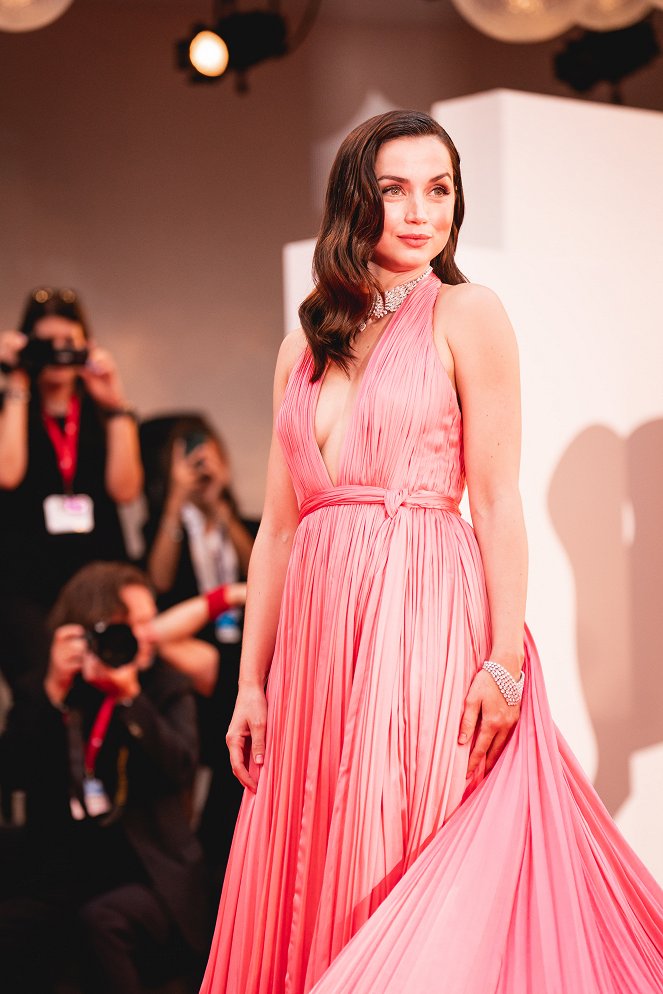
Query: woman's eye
[391, 190]
[441, 191]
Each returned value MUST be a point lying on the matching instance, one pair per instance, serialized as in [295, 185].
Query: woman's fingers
[236, 747]
[493, 734]
[470, 717]
[258, 742]
[246, 734]
[481, 746]
[497, 720]
[495, 749]
[11, 343]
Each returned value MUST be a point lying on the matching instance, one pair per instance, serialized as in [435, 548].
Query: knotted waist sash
[392, 499]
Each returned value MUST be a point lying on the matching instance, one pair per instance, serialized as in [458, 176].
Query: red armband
[217, 602]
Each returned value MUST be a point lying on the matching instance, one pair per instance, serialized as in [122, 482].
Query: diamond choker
[392, 299]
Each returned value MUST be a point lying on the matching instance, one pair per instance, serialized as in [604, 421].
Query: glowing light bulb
[209, 54]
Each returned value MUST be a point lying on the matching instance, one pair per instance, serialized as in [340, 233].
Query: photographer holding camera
[69, 452]
[111, 749]
[198, 541]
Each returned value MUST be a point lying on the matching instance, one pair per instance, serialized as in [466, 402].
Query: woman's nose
[416, 209]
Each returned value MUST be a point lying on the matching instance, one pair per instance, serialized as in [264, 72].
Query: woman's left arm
[485, 359]
[124, 470]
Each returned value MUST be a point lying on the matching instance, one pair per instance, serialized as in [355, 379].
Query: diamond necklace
[392, 299]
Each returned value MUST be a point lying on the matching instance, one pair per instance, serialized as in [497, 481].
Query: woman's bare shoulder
[290, 350]
[466, 311]
[292, 347]
[470, 298]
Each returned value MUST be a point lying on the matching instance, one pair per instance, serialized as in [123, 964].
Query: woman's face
[62, 333]
[415, 176]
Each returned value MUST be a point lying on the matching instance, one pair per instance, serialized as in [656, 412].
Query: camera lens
[114, 644]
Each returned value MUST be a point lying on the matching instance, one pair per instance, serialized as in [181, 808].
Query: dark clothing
[127, 932]
[219, 815]
[33, 563]
[25, 643]
[132, 880]
[150, 841]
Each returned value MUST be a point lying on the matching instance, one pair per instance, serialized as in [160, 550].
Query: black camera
[41, 352]
[114, 644]
[193, 440]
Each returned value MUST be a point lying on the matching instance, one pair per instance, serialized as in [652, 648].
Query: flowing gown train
[365, 863]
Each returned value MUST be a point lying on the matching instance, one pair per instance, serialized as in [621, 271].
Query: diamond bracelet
[511, 690]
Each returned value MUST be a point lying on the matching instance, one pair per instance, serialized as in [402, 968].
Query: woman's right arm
[14, 414]
[266, 579]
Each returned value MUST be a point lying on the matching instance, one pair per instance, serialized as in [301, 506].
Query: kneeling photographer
[111, 751]
[69, 453]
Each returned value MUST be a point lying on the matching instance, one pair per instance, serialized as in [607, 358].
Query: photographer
[197, 542]
[69, 452]
[200, 540]
[111, 748]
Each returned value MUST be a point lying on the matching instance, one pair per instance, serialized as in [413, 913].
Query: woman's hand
[487, 711]
[12, 344]
[213, 477]
[246, 734]
[102, 380]
[183, 473]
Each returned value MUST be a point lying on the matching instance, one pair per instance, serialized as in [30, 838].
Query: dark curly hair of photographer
[108, 859]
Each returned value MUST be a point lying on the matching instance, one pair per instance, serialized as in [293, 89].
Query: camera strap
[87, 794]
[65, 441]
[98, 734]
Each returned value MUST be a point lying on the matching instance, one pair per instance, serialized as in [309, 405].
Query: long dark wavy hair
[351, 227]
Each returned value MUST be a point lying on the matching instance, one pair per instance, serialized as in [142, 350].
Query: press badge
[67, 514]
[96, 799]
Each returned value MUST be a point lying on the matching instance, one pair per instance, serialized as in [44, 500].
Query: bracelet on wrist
[17, 393]
[510, 688]
[120, 412]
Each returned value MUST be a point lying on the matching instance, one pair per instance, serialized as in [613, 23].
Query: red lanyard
[65, 442]
[98, 734]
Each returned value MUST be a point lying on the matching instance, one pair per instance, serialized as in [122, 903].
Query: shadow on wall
[606, 503]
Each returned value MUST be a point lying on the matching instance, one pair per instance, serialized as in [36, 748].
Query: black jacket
[157, 733]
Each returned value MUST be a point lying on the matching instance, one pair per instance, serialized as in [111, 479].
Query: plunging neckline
[355, 402]
[359, 392]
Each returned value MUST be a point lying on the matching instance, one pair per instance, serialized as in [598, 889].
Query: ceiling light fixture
[28, 15]
[237, 40]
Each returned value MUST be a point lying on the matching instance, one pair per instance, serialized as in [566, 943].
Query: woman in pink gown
[408, 825]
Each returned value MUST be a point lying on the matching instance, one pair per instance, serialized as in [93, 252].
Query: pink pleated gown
[364, 846]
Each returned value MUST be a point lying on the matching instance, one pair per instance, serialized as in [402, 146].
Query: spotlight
[208, 54]
[234, 42]
[606, 56]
